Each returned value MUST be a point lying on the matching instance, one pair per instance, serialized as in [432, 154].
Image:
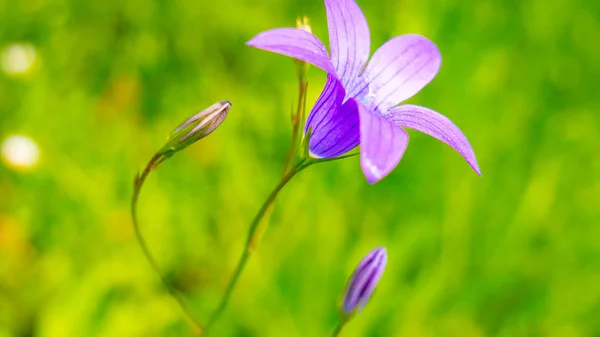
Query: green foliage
[515, 252]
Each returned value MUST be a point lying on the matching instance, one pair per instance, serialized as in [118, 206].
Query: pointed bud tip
[303, 23]
[364, 280]
[380, 249]
[196, 127]
[208, 120]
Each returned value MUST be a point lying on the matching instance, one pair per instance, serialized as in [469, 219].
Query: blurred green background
[99, 85]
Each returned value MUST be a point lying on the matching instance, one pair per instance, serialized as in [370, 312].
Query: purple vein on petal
[436, 125]
[401, 68]
[349, 38]
[339, 143]
[358, 283]
[334, 125]
[382, 144]
[341, 133]
[364, 279]
[380, 69]
[296, 43]
[329, 96]
[361, 268]
[366, 289]
[388, 101]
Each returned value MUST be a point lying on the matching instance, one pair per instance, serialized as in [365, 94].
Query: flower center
[368, 98]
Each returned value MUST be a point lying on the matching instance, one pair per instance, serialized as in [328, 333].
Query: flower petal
[334, 125]
[296, 43]
[436, 125]
[382, 144]
[398, 70]
[349, 39]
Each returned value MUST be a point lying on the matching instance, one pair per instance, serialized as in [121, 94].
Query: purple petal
[398, 70]
[436, 125]
[296, 43]
[334, 125]
[349, 39]
[382, 144]
[364, 279]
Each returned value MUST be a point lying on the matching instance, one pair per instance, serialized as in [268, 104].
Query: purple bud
[195, 128]
[205, 121]
[364, 279]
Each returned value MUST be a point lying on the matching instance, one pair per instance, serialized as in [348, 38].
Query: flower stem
[261, 220]
[339, 327]
[253, 236]
[138, 183]
[297, 118]
[290, 155]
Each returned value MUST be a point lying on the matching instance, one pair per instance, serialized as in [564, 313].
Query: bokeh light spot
[18, 58]
[20, 152]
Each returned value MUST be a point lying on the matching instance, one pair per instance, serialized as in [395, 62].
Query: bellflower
[363, 280]
[359, 104]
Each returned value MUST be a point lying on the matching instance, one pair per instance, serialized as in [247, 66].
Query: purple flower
[364, 279]
[359, 102]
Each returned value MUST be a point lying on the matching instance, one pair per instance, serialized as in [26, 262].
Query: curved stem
[253, 235]
[138, 183]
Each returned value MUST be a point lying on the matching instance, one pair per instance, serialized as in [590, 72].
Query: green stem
[290, 154]
[252, 239]
[259, 224]
[297, 117]
[139, 182]
[338, 328]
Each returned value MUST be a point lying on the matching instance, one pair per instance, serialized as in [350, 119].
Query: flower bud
[301, 66]
[363, 280]
[304, 24]
[196, 127]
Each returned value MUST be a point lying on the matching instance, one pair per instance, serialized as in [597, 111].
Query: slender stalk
[139, 182]
[260, 222]
[297, 118]
[252, 239]
[338, 328]
[290, 155]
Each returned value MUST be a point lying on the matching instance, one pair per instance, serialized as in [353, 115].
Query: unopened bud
[301, 66]
[363, 280]
[303, 23]
[196, 127]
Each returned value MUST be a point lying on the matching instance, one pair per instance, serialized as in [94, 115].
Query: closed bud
[196, 127]
[304, 24]
[364, 280]
[301, 66]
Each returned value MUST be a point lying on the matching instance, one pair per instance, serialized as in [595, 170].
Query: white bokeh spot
[20, 152]
[18, 58]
